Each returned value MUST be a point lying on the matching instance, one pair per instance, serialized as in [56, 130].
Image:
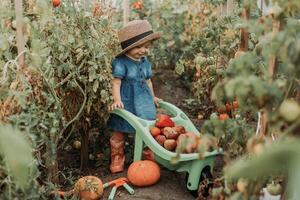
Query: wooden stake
[126, 11]
[271, 69]
[230, 6]
[244, 31]
[272, 62]
[20, 36]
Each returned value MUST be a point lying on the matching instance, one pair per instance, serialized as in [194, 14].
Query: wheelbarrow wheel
[205, 184]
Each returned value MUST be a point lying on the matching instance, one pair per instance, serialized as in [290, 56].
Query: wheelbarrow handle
[105, 185]
[128, 188]
[112, 193]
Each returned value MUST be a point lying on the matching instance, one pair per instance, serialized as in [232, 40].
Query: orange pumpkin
[143, 173]
[89, 188]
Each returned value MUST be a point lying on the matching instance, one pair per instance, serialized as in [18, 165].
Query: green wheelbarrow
[197, 170]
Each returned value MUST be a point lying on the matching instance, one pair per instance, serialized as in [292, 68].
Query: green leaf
[71, 39]
[95, 85]
[92, 74]
[179, 69]
[277, 158]
[17, 152]
[3, 43]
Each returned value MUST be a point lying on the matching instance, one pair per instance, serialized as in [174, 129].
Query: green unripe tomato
[289, 110]
[213, 116]
[274, 189]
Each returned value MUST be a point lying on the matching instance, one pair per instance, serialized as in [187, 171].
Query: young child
[131, 86]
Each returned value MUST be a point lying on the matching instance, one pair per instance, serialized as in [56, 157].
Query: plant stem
[77, 116]
[289, 88]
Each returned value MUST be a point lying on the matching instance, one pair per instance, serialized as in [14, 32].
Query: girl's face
[140, 51]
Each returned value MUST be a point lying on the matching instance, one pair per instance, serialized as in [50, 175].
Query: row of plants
[63, 85]
[265, 82]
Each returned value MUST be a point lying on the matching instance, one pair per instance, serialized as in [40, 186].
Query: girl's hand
[156, 100]
[117, 104]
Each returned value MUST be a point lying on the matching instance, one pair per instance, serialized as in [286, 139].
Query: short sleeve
[149, 70]
[118, 69]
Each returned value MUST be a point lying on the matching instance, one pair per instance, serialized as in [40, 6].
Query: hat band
[131, 41]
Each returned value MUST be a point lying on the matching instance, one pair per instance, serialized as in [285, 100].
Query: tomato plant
[264, 80]
[66, 78]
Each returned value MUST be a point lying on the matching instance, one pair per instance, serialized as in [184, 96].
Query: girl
[131, 86]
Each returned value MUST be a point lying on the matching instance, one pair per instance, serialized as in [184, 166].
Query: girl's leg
[117, 144]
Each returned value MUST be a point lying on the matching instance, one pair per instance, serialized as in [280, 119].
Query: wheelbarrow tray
[189, 163]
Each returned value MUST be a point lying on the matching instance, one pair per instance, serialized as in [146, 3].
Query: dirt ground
[169, 87]
[172, 186]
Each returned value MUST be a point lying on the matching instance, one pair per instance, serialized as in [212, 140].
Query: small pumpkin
[143, 173]
[89, 188]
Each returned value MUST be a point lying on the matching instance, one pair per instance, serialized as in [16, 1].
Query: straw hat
[135, 33]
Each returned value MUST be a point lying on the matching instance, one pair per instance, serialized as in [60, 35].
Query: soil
[171, 88]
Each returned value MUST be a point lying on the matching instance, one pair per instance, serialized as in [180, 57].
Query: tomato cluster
[138, 5]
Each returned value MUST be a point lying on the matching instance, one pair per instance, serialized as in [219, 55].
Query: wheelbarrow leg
[138, 147]
[194, 174]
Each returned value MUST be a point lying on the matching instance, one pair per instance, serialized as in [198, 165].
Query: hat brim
[151, 37]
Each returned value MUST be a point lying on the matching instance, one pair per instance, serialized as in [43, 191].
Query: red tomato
[224, 116]
[55, 3]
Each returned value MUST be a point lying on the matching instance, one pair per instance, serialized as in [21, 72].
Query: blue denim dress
[135, 92]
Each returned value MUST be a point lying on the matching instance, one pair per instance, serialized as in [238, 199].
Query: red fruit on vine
[235, 104]
[228, 107]
[224, 116]
[56, 3]
[97, 11]
[138, 5]
[221, 109]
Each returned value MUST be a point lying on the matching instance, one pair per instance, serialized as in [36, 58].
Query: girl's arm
[116, 85]
[149, 82]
